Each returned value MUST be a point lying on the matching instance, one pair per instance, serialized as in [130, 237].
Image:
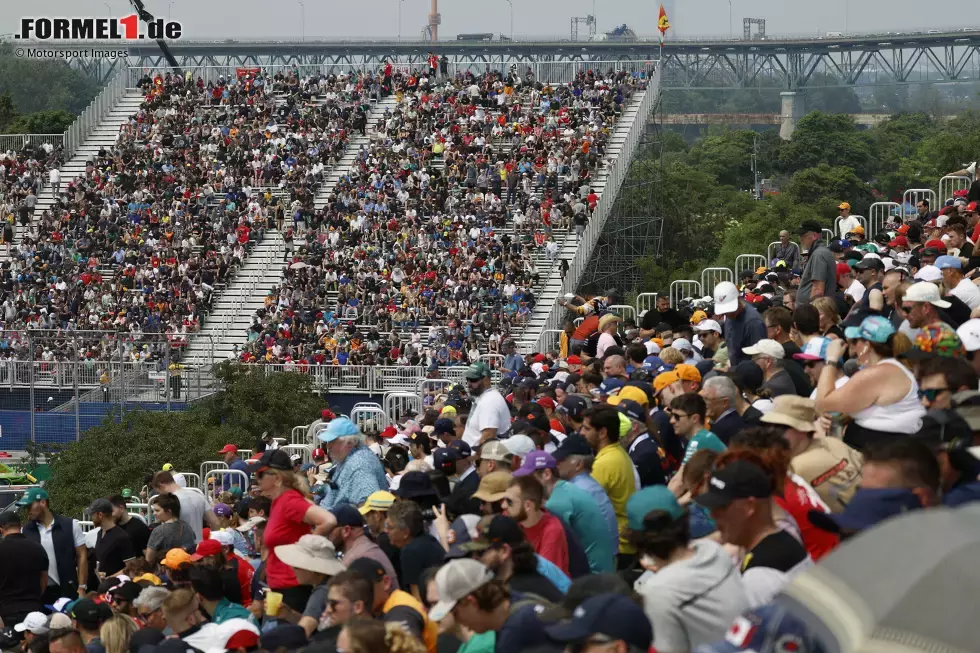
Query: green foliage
[42, 122]
[810, 185]
[117, 455]
[44, 84]
[830, 139]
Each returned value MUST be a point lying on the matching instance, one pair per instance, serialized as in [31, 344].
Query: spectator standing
[170, 531]
[113, 548]
[608, 325]
[687, 413]
[64, 543]
[229, 454]
[575, 506]
[643, 450]
[574, 458]
[743, 325]
[23, 572]
[136, 529]
[768, 355]
[490, 416]
[417, 549]
[819, 278]
[193, 507]
[356, 472]
[612, 468]
[524, 502]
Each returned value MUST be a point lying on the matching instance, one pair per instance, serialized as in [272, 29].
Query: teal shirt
[703, 439]
[226, 610]
[577, 507]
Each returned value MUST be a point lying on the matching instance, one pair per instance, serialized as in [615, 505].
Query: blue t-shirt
[579, 509]
[553, 572]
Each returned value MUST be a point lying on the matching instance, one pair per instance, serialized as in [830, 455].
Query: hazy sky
[279, 19]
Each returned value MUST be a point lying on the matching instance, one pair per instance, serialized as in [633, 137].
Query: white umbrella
[297, 266]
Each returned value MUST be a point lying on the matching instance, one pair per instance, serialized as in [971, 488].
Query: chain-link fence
[56, 384]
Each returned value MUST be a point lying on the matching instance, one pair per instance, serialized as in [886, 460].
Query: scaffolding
[634, 229]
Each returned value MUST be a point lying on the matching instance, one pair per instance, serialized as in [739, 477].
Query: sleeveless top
[904, 416]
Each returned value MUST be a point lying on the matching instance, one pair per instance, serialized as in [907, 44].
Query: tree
[122, 454]
[823, 181]
[42, 122]
[44, 84]
[7, 111]
[830, 139]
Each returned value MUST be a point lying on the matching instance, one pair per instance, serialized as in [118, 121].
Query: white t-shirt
[967, 291]
[606, 340]
[855, 290]
[489, 411]
[846, 225]
[192, 509]
[78, 539]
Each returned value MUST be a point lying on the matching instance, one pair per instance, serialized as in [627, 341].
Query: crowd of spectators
[442, 222]
[140, 242]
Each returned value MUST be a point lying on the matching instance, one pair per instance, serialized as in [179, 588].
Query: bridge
[862, 119]
[790, 63]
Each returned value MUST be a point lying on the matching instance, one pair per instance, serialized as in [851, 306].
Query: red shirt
[798, 502]
[285, 526]
[548, 539]
[245, 573]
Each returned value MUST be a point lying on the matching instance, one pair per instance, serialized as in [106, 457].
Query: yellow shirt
[613, 470]
[563, 345]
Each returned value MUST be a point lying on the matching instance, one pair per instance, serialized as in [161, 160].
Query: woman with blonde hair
[291, 516]
[671, 356]
[370, 636]
[829, 317]
[116, 633]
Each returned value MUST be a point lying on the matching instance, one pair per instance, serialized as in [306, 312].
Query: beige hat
[492, 488]
[792, 411]
[608, 319]
[313, 553]
[495, 450]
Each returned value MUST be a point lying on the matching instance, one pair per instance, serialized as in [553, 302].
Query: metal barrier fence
[878, 216]
[17, 142]
[949, 185]
[750, 262]
[617, 170]
[400, 404]
[711, 277]
[682, 289]
[912, 196]
[549, 340]
[828, 235]
[623, 311]
[645, 301]
[771, 254]
[363, 412]
[861, 220]
[103, 103]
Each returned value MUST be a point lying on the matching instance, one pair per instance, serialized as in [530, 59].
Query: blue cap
[611, 385]
[340, 427]
[654, 497]
[769, 629]
[867, 507]
[462, 448]
[873, 329]
[613, 615]
[652, 363]
[443, 425]
[948, 263]
[445, 459]
[347, 515]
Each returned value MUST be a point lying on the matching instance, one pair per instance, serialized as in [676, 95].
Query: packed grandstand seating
[458, 201]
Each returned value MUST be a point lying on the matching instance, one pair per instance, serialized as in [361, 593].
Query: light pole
[731, 28]
[847, 11]
[400, 19]
[108, 7]
[170, 11]
[511, 4]
[302, 18]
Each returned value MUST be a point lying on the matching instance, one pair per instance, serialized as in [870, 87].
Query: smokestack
[434, 21]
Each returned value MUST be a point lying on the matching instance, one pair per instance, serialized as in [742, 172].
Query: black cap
[369, 568]
[414, 485]
[128, 591]
[289, 637]
[573, 445]
[445, 459]
[462, 448]
[272, 459]
[747, 375]
[145, 637]
[100, 505]
[617, 616]
[347, 515]
[574, 406]
[810, 226]
[443, 425]
[632, 410]
[90, 613]
[9, 518]
[501, 529]
[870, 263]
[740, 479]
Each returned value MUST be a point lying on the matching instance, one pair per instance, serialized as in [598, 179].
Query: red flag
[663, 24]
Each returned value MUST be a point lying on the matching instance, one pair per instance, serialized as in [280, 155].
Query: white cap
[969, 333]
[766, 347]
[652, 348]
[928, 273]
[456, 580]
[35, 622]
[925, 291]
[224, 537]
[682, 344]
[519, 445]
[726, 298]
[707, 325]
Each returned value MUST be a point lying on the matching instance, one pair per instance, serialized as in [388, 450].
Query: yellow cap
[167, 467]
[698, 317]
[448, 411]
[379, 500]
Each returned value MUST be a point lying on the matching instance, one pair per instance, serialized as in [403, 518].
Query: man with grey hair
[719, 394]
[357, 472]
[149, 605]
[574, 457]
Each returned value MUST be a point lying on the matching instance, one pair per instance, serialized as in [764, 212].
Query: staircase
[104, 135]
[262, 272]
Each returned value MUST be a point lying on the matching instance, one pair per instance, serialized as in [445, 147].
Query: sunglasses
[931, 394]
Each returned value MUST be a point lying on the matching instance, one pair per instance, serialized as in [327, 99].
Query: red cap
[899, 241]
[206, 548]
[389, 432]
[972, 207]
[319, 453]
[539, 358]
[573, 360]
[229, 448]
[904, 229]
[327, 415]
[931, 224]
[245, 639]
[961, 192]
[843, 268]
[546, 402]
[936, 243]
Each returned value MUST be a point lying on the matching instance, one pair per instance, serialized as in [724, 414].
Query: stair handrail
[96, 111]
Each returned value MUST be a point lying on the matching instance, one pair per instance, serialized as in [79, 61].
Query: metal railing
[17, 142]
[93, 114]
[617, 171]
[949, 185]
[878, 215]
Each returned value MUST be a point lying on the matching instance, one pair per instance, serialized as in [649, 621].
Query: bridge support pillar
[792, 111]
